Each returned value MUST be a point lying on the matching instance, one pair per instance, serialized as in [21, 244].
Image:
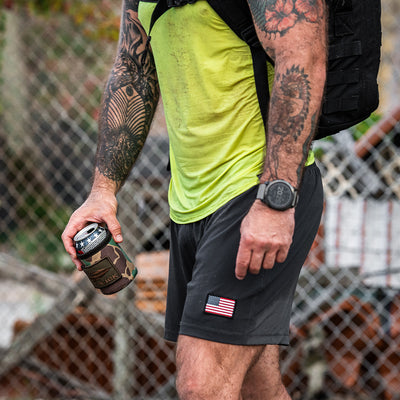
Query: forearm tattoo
[291, 99]
[282, 26]
[277, 17]
[306, 146]
[129, 101]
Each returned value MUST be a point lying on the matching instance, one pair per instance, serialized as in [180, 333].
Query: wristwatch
[279, 195]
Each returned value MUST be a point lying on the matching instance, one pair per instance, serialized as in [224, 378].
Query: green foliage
[36, 237]
[37, 221]
[356, 131]
[41, 5]
[2, 29]
[42, 247]
[361, 128]
[318, 152]
[39, 242]
[97, 19]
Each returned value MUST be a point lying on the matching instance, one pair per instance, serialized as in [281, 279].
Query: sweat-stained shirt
[215, 128]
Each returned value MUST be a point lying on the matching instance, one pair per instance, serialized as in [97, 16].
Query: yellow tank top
[215, 128]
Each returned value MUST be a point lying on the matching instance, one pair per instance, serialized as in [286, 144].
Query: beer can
[91, 239]
[104, 262]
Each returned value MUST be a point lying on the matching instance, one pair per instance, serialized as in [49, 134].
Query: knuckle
[246, 240]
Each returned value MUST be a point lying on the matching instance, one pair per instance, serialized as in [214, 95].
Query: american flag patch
[220, 306]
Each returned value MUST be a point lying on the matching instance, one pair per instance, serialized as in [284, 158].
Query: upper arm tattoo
[277, 17]
[129, 100]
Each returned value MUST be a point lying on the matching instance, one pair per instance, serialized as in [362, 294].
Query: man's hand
[266, 236]
[100, 206]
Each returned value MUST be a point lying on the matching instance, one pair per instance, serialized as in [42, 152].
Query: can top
[86, 232]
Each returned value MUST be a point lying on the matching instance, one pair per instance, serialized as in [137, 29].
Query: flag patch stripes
[220, 306]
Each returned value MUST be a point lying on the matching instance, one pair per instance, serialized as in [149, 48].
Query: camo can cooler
[105, 263]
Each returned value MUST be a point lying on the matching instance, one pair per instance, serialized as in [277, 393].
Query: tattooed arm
[293, 33]
[129, 101]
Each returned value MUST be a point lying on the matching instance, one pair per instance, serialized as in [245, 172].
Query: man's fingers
[269, 260]
[256, 262]
[67, 238]
[242, 261]
[75, 224]
[251, 258]
[115, 228]
[253, 261]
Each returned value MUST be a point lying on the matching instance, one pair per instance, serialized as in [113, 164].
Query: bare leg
[263, 380]
[212, 371]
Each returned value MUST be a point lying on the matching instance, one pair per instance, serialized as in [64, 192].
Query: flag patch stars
[220, 306]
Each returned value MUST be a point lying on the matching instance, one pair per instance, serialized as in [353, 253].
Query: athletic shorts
[205, 300]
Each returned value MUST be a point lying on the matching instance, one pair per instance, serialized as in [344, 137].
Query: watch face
[280, 195]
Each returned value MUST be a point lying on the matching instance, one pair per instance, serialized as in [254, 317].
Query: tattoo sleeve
[293, 33]
[129, 100]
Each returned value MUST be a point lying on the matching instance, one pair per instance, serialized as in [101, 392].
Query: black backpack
[351, 92]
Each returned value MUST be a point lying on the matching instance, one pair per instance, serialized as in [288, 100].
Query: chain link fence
[60, 339]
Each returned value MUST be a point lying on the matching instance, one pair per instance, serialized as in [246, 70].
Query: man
[236, 252]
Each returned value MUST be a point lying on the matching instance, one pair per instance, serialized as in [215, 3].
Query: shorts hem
[242, 339]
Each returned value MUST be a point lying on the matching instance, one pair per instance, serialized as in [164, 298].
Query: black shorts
[206, 300]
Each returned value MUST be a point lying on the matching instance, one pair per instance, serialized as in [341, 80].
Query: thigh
[263, 379]
[212, 370]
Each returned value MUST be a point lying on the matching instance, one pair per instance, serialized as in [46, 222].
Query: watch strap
[261, 190]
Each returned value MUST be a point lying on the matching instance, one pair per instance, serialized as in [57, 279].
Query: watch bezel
[265, 189]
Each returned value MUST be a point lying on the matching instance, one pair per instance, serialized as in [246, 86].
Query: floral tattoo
[277, 17]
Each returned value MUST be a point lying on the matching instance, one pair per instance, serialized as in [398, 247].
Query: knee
[185, 389]
[190, 387]
[204, 371]
[197, 384]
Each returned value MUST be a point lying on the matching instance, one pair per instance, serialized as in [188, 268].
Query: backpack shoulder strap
[159, 9]
[236, 14]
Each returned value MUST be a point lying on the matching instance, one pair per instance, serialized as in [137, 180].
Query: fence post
[14, 79]
[124, 350]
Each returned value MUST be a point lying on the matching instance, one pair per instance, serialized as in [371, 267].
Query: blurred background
[60, 339]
